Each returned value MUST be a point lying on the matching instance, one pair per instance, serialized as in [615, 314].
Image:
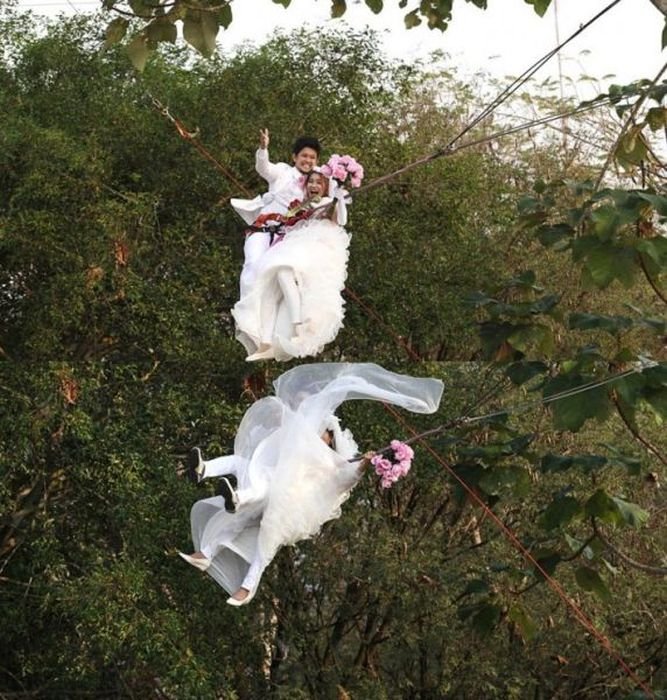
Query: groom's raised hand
[263, 138]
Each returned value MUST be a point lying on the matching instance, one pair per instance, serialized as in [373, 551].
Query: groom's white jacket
[285, 185]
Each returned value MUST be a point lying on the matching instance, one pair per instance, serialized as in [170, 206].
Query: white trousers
[292, 297]
[256, 244]
[248, 496]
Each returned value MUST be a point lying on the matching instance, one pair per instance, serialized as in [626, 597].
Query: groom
[285, 185]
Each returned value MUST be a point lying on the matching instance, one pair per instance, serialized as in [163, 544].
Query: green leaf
[559, 512]
[630, 388]
[657, 201]
[499, 479]
[605, 262]
[200, 29]
[550, 234]
[571, 412]
[632, 149]
[138, 51]
[115, 31]
[412, 19]
[161, 29]
[540, 6]
[602, 506]
[519, 615]
[614, 325]
[284, 3]
[523, 371]
[547, 561]
[559, 463]
[140, 7]
[536, 335]
[657, 401]
[477, 585]
[617, 459]
[590, 580]
[486, 618]
[606, 221]
[338, 8]
[656, 118]
[375, 6]
[632, 514]
[575, 545]
[656, 250]
[493, 337]
[225, 16]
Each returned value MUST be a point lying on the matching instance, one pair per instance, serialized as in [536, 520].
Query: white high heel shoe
[264, 352]
[201, 563]
[238, 603]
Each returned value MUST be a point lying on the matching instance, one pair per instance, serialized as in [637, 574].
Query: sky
[502, 40]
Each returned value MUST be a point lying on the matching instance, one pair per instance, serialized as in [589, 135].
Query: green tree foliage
[202, 22]
[144, 24]
[119, 261]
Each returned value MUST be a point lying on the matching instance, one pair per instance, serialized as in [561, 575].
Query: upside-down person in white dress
[285, 185]
[294, 306]
[291, 469]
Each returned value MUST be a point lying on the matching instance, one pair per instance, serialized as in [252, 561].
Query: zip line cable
[578, 613]
[450, 151]
[496, 102]
[528, 73]
[518, 408]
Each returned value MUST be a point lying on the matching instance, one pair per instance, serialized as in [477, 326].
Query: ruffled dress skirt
[317, 253]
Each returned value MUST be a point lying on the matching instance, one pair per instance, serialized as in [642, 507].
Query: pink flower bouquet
[342, 167]
[391, 470]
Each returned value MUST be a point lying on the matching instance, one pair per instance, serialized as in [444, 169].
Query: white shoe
[238, 603]
[195, 465]
[201, 563]
[262, 353]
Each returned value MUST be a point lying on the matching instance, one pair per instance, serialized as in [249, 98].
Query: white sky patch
[503, 40]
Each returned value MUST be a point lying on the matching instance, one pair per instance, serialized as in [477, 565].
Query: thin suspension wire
[528, 73]
[512, 410]
[450, 151]
[578, 613]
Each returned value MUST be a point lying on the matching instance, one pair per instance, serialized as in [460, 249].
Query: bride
[294, 306]
[292, 468]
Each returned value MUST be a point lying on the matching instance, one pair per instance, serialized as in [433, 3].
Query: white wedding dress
[315, 252]
[278, 452]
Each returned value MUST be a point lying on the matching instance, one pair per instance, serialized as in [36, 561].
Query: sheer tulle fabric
[278, 446]
[316, 251]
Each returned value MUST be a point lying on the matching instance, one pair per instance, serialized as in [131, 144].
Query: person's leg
[249, 496]
[291, 295]
[256, 244]
[250, 581]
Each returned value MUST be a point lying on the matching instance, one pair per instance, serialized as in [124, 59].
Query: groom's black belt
[266, 228]
[272, 229]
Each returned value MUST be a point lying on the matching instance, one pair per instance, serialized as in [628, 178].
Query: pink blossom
[339, 173]
[396, 471]
[382, 465]
[402, 452]
[405, 467]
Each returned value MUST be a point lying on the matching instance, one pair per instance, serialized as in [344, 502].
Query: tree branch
[635, 433]
[655, 570]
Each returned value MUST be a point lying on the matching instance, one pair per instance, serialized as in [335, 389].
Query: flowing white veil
[279, 441]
